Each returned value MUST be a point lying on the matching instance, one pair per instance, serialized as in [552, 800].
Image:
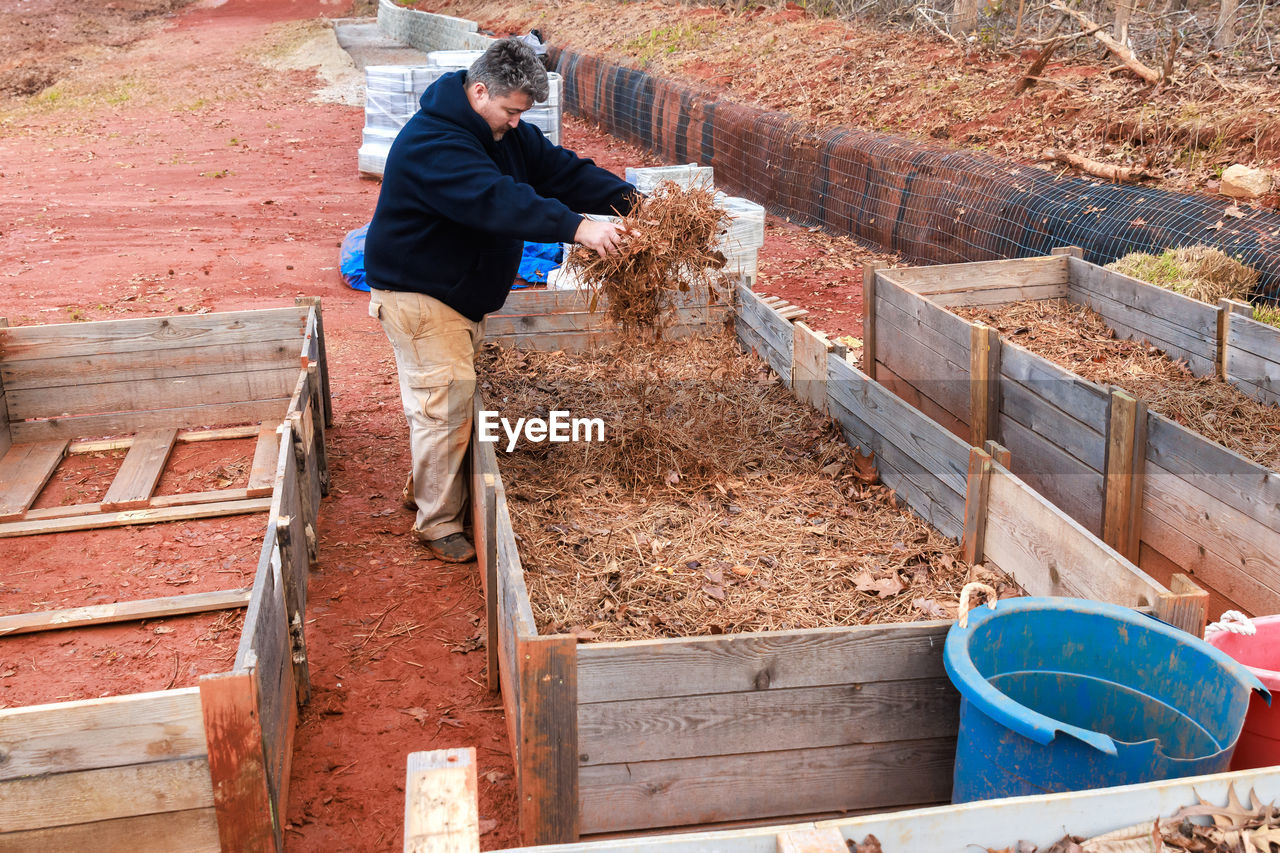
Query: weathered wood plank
[240, 791]
[548, 771]
[1185, 606]
[5, 441]
[935, 327]
[484, 519]
[253, 411]
[101, 614]
[1085, 401]
[91, 733]
[772, 329]
[1192, 528]
[266, 455]
[815, 657]
[1197, 319]
[107, 793]
[141, 469]
[870, 306]
[24, 470]
[945, 455]
[149, 365]
[812, 841]
[227, 387]
[580, 341]
[128, 517]
[154, 833]
[767, 720]
[618, 797]
[1164, 569]
[1083, 441]
[914, 482]
[1016, 272]
[921, 403]
[1257, 376]
[1048, 553]
[318, 354]
[183, 332]
[441, 810]
[186, 436]
[997, 295]
[1240, 483]
[1173, 340]
[156, 502]
[935, 377]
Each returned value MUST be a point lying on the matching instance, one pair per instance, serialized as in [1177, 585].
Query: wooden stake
[1185, 606]
[999, 453]
[1127, 418]
[1227, 307]
[984, 383]
[1069, 251]
[548, 771]
[809, 366]
[441, 810]
[975, 505]
[237, 764]
[869, 316]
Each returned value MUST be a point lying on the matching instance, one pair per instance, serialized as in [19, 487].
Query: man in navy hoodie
[466, 183]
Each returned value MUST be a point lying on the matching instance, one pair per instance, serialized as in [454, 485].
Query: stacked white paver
[392, 93]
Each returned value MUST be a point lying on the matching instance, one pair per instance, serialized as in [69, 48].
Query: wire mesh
[929, 204]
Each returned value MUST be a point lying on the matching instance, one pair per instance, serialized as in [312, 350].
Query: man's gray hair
[510, 65]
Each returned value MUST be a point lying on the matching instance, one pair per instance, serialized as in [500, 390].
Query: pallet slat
[112, 423]
[24, 470]
[102, 614]
[154, 833]
[441, 810]
[124, 518]
[140, 470]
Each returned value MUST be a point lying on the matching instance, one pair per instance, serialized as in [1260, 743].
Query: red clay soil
[179, 174]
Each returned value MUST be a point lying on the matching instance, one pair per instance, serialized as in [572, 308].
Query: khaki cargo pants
[435, 349]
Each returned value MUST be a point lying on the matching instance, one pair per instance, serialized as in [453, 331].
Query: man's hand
[604, 237]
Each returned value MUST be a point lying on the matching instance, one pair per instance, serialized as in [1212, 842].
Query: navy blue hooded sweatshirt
[456, 206]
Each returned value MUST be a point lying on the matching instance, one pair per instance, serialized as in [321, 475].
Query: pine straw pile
[1079, 339]
[1199, 272]
[717, 502]
[670, 248]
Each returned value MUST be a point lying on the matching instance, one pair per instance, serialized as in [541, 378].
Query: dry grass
[1080, 340]
[1199, 272]
[670, 249]
[717, 503]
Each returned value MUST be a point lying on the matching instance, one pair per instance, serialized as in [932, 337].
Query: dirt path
[180, 173]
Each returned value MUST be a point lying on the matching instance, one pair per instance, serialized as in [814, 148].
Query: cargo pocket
[431, 390]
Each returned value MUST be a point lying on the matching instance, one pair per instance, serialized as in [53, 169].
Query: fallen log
[1124, 54]
[1097, 168]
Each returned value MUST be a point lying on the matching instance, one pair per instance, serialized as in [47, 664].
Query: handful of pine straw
[670, 248]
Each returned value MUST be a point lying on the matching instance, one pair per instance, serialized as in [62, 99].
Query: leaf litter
[717, 502]
[1079, 339]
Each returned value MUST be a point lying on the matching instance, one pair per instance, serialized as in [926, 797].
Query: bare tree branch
[1124, 54]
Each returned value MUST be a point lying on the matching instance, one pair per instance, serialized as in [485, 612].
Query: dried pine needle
[1079, 339]
[717, 502]
[670, 249]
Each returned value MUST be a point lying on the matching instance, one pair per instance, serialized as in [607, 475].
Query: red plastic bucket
[1259, 744]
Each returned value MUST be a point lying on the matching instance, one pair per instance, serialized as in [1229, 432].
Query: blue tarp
[538, 260]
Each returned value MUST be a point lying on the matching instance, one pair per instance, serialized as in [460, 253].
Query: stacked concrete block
[424, 30]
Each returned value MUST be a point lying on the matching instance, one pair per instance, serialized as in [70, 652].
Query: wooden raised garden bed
[198, 768]
[441, 816]
[634, 735]
[1164, 496]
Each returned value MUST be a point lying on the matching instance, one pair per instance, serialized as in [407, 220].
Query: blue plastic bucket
[1063, 694]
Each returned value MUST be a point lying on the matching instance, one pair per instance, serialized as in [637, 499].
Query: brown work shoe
[453, 548]
[406, 496]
